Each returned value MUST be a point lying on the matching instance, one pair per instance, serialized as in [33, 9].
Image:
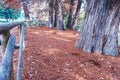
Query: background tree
[100, 30]
[51, 14]
[77, 14]
[25, 8]
[55, 14]
[70, 17]
[59, 20]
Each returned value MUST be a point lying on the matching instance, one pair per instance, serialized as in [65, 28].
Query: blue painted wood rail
[8, 43]
[7, 59]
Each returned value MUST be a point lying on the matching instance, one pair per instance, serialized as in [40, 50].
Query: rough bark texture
[76, 17]
[59, 20]
[100, 30]
[55, 14]
[70, 17]
[51, 19]
[26, 11]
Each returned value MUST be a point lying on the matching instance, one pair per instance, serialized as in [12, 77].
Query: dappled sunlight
[37, 33]
[55, 33]
[71, 35]
[52, 51]
[43, 5]
[77, 77]
[110, 76]
[65, 34]
[49, 31]
[107, 57]
[35, 6]
[61, 39]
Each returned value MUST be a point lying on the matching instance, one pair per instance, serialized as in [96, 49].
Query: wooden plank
[7, 26]
[20, 53]
[4, 40]
[7, 59]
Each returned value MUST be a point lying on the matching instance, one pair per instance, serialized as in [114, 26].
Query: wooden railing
[37, 22]
[8, 45]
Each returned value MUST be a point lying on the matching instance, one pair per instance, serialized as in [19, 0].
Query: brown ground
[50, 55]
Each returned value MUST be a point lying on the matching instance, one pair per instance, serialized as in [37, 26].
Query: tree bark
[51, 15]
[77, 14]
[100, 29]
[70, 17]
[55, 14]
[59, 20]
[26, 11]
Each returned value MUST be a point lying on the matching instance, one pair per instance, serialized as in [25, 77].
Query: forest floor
[50, 55]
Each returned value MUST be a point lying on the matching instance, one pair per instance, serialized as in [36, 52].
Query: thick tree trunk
[77, 14]
[55, 19]
[26, 11]
[55, 13]
[100, 30]
[59, 20]
[70, 17]
[51, 15]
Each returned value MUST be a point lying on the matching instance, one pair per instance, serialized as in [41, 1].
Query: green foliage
[9, 13]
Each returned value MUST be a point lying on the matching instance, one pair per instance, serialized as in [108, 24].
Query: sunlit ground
[50, 55]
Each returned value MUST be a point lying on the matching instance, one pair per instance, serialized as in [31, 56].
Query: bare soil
[50, 55]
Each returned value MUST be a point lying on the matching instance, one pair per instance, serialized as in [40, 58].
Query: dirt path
[50, 55]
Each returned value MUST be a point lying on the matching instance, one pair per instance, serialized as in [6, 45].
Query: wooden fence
[8, 45]
[37, 22]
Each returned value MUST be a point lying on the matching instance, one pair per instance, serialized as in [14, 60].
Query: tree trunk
[26, 11]
[77, 14]
[59, 20]
[51, 15]
[55, 13]
[55, 19]
[70, 17]
[100, 29]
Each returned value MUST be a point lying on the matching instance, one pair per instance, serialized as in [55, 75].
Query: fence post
[20, 52]
[20, 32]
[4, 40]
[7, 59]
